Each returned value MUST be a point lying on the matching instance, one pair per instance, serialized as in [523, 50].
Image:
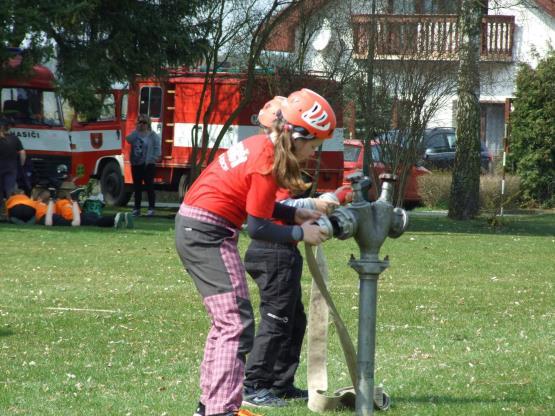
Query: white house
[513, 32]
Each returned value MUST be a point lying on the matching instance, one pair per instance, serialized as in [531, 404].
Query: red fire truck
[98, 147]
[38, 114]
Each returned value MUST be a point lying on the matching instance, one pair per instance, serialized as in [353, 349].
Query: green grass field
[102, 322]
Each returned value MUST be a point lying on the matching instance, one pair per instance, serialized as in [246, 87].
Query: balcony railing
[430, 37]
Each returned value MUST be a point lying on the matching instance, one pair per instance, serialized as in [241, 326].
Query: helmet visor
[299, 132]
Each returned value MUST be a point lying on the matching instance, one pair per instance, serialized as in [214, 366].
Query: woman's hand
[313, 234]
[304, 214]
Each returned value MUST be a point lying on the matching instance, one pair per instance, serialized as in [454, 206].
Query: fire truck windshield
[31, 106]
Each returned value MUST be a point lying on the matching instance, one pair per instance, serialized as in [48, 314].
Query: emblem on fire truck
[96, 140]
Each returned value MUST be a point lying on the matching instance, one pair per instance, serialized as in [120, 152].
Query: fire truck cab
[36, 111]
[52, 141]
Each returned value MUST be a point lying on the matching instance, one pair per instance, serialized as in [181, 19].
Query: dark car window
[351, 153]
[451, 140]
[437, 144]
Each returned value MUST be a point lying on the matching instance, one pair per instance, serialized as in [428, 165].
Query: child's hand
[313, 233]
[303, 214]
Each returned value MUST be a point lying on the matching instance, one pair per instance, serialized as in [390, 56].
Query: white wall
[535, 30]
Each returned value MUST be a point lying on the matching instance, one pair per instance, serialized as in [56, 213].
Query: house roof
[283, 36]
[548, 6]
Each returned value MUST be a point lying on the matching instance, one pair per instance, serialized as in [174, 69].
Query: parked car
[353, 161]
[438, 150]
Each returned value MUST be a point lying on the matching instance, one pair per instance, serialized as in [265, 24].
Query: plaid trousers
[207, 246]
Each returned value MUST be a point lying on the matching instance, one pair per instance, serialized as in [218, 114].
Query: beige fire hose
[321, 304]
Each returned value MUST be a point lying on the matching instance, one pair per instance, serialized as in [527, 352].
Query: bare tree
[402, 86]
[232, 23]
[318, 37]
[398, 73]
[416, 89]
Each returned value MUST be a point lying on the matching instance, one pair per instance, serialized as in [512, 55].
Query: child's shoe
[245, 412]
[129, 223]
[201, 409]
[290, 393]
[261, 398]
[136, 212]
[150, 213]
[119, 220]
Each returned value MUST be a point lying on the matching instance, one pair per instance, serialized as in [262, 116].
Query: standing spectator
[12, 154]
[145, 152]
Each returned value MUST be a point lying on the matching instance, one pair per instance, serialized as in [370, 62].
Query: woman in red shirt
[241, 185]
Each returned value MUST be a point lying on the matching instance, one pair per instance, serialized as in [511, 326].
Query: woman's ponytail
[286, 169]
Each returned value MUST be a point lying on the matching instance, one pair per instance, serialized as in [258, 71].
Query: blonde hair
[286, 169]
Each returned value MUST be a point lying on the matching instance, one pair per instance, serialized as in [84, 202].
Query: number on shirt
[235, 155]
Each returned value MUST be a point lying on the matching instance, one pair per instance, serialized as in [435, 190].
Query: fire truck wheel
[182, 186]
[113, 186]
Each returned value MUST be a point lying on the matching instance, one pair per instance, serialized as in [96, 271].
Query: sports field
[103, 322]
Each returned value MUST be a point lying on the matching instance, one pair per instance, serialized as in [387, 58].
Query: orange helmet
[309, 114]
[268, 114]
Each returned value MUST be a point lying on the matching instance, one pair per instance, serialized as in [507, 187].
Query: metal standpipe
[376, 221]
[370, 224]
[368, 302]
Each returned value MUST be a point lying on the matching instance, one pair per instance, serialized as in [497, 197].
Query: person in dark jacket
[145, 152]
[12, 154]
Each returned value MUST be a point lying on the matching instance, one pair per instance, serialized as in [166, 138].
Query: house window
[437, 6]
[422, 6]
[401, 6]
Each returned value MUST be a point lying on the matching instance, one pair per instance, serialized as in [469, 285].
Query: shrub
[533, 130]
[435, 190]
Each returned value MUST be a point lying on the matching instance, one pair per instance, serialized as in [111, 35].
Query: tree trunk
[369, 127]
[464, 200]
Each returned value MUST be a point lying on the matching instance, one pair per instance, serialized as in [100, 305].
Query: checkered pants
[207, 246]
